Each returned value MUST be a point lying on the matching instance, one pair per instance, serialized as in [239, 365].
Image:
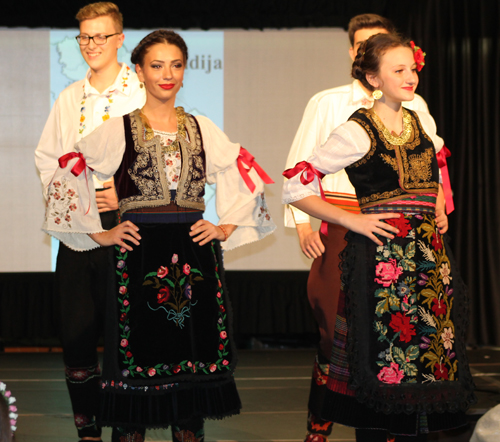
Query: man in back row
[325, 112]
[109, 89]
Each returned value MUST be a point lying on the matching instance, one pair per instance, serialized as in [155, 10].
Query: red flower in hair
[418, 55]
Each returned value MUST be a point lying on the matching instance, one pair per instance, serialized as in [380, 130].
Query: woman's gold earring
[377, 94]
[141, 85]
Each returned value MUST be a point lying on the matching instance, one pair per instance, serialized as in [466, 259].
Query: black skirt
[169, 350]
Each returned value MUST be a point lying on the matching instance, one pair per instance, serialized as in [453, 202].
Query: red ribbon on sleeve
[245, 158]
[448, 195]
[307, 175]
[79, 167]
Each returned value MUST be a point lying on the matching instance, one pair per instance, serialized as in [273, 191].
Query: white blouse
[345, 145]
[171, 158]
[72, 212]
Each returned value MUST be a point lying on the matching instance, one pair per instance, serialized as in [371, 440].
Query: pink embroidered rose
[162, 272]
[151, 372]
[138, 369]
[213, 367]
[224, 362]
[123, 250]
[218, 295]
[125, 303]
[391, 375]
[186, 269]
[387, 272]
[122, 290]
[175, 258]
[447, 337]
[124, 343]
[223, 335]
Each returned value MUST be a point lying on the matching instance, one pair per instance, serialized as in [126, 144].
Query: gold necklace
[395, 139]
[181, 125]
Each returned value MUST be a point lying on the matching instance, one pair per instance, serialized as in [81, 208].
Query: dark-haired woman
[398, 367]
[170, 355]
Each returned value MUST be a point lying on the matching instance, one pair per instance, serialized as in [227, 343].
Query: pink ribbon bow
[307, 175]
[245, 163]
[443, 165]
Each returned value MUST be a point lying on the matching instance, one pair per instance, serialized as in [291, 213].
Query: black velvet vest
[390, 172]
[140, 180]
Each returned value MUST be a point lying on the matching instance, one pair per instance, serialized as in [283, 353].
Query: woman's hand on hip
[203, 231]
[371, 225]
[126, 231]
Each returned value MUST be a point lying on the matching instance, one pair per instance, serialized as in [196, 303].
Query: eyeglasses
[84, 40]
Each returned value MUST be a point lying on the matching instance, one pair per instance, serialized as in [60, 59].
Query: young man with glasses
[109, 89]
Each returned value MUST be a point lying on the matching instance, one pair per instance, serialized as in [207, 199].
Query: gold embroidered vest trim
[148, 176]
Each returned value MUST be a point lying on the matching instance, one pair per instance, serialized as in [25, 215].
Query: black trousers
[82, 280]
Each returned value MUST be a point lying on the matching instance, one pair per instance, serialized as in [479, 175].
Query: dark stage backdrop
[460, 83]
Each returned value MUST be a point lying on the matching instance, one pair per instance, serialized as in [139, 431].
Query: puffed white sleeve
[345, 145]
[235, 202]
[71, 212]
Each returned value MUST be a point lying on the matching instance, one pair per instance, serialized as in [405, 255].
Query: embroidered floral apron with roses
[404, 351]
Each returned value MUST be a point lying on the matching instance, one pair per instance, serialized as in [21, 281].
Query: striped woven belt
[422, 203]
